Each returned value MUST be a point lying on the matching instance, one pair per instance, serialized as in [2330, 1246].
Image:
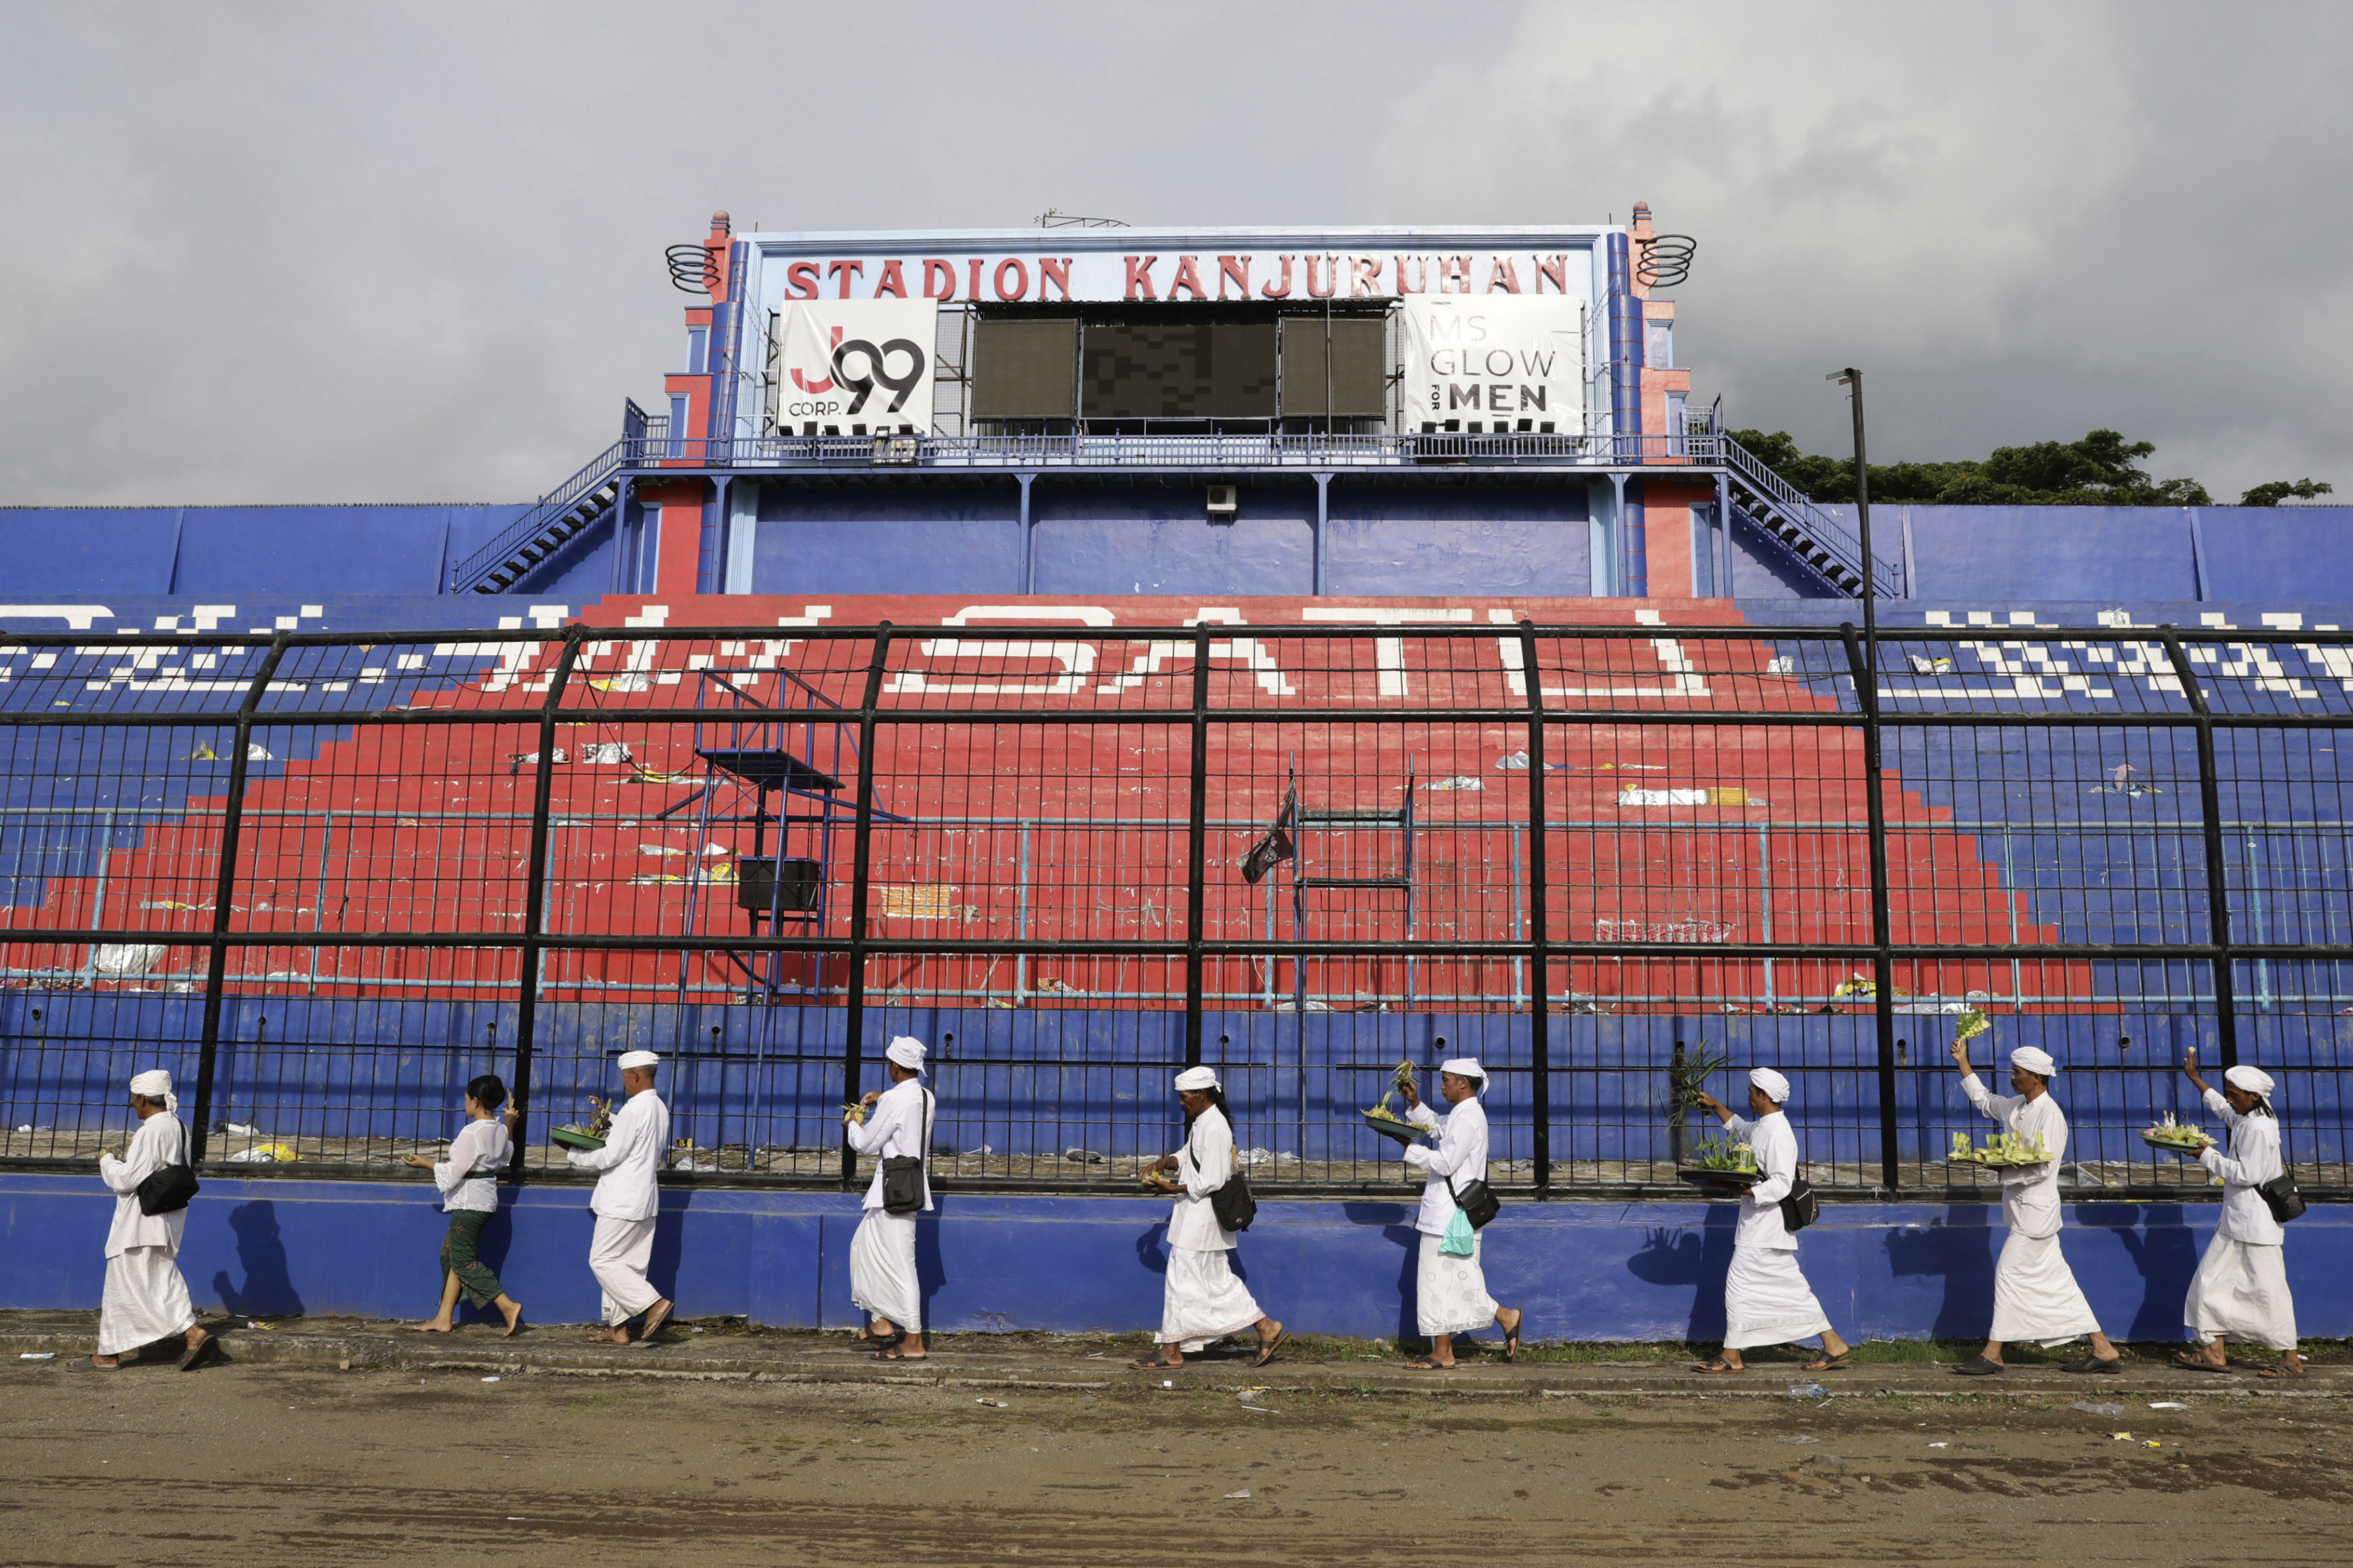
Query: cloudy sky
[412, 252]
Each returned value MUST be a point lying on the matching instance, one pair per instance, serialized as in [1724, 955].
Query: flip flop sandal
[195, 1354]
[2094, 1366]
[1831, 1364]
[1512, 1340]
[83, 1363]
[1719, 1366]
[1156, 1364]
[2186, 1364]
[1423, 1363]
[895, 1353]
[879, 1342]
[656, 1316]
[1266, 1351]
[2280, 1372]
[1977, 1366]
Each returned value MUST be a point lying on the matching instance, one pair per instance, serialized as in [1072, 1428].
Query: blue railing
[545, 510]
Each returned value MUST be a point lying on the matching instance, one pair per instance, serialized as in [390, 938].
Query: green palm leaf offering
[1973, 1023]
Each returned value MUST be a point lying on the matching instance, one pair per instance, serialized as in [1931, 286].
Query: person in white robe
[883, 1252]
[1767, 1300]
[146, 1297]
[2241, 1289]
[1449, 1291]
[2035, 1296]
[1203, 1300]
[468, 1182]
[626, 1200]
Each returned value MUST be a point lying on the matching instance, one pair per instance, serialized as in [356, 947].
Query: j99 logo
[878, 370]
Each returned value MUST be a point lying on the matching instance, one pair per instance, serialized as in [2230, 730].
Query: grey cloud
[411, 252]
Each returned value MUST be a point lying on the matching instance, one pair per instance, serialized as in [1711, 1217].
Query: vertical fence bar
[224, 891]
[1539, 925]
[861, 861]
[1196, 846]
[2210, 812]
[1865, 663]
[534, 897]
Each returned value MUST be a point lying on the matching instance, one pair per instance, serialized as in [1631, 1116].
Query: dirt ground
[263, 1465]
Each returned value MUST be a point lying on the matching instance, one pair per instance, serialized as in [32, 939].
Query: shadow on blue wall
[1962, 1252]
[2161, 1247]
[268, 1288]
[1672, 1256]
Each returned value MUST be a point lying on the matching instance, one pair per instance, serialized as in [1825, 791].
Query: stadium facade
[1095, 650]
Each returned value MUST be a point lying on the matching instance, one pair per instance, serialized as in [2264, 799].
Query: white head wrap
[1195, 1078]
[2034, 1059]
[1776, 1087]
[638, 1059]
[907, 1051]
[2255, 1080]
[156, 1084]
[1465, 1066]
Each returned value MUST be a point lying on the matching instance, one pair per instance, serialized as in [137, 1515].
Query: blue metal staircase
[1824, 543]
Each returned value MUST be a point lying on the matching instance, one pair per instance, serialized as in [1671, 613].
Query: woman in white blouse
[1451, 1290]
[469, 1180]
[2240, 1292]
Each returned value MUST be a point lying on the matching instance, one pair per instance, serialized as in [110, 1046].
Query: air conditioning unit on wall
[1221, 503]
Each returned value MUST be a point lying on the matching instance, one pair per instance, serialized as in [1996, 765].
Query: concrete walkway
[1048, 1361]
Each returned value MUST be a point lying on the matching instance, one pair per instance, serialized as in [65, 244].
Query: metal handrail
[552, 505]
[1832, 532]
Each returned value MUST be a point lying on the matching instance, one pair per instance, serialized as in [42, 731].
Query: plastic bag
[1460, 1241]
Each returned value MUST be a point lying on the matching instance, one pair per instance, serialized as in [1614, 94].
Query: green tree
[2101, 469]
[2273, 491]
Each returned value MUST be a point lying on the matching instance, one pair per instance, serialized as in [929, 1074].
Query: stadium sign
[1042, 276]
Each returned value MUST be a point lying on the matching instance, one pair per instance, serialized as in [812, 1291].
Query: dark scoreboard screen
[1130, 362]
[1205, 371]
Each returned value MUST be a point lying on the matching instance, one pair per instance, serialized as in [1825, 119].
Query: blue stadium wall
[1607, 1271]
[1128, 538]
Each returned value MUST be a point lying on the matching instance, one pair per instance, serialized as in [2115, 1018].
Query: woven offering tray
[2177, 1145]
[1986, 1162]
[575, 1138]
[1403, 1131]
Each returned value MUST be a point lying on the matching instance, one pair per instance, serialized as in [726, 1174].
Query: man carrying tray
[1767, 1300]
[626, 1202]
[2035, 1296]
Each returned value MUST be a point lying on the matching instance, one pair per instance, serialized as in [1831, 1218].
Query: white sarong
[2240, 1293]
[1450, 1294]
[1204, 1301]
[146, 1300]
[617, 1256]
[882, 1269]
[2035, 1296]
[1767, 1300]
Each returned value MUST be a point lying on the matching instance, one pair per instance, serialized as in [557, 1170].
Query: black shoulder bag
[1476, 1199]
[168, 1188]
[903, 1175]
[2281, 1197]
[1232, 1204]
[1801, 1208]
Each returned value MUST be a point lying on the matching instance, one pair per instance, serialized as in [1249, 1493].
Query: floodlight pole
[1865, 661]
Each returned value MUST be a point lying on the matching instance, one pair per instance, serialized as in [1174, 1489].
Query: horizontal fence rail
[327, 879]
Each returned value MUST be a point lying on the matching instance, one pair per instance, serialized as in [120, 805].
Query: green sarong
[459, 1257]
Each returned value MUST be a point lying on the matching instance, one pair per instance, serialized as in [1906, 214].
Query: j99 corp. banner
[856, 365]
[1494, 363]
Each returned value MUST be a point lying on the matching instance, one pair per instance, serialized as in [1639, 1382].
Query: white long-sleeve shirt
[161, 1139]
[2030, 1193]
[630, 1159]
[2254, 1158]
[1775, 1143]
[1460, 1157]
[1205, 1164]
[895, 1127]
[468, 1178]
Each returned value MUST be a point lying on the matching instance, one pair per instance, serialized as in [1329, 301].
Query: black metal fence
[327, 878]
